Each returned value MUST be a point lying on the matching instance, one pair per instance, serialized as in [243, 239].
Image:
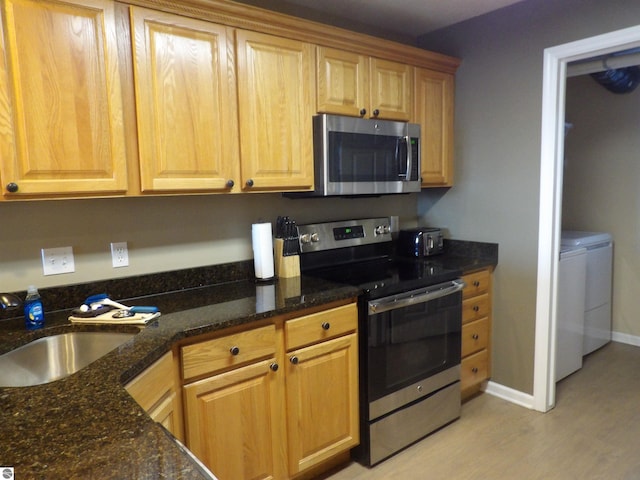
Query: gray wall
[497, 150]
[601, 183]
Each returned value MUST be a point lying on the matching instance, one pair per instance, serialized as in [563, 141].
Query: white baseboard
[625, 338]
[509, 394]
[526, 400]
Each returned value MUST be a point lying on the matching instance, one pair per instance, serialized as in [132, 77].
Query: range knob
[305, 238]
[382, 230]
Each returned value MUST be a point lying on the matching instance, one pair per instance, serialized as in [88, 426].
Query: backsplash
[123, 289]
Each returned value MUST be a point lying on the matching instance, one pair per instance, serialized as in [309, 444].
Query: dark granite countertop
[87, 426]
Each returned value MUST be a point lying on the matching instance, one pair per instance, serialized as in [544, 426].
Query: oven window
[409, 344]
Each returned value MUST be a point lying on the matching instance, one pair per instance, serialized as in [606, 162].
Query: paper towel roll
[262, 242]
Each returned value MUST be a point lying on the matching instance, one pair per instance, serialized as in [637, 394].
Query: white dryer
[597, 309]
[572, 274]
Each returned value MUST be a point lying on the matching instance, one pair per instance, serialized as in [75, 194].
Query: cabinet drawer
[475, 336]
[228, 351]
[476, 283]
[474, 369]
[320, 326]
[476, 308]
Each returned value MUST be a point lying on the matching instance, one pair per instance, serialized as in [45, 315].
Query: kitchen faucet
[9, 300]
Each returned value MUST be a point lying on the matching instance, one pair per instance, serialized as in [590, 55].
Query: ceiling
[404, 17]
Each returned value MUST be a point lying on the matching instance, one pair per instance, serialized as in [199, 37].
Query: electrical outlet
[57, 260]
[119, 254]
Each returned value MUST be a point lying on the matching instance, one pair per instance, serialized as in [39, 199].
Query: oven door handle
[412, 298]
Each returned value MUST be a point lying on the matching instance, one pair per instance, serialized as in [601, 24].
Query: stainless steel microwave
[357, 156]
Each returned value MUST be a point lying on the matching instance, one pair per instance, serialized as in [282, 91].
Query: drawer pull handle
[363, 112]
[234, 350]
[474, 369]
[476, 283]
[326, 325]
[274, 367]
[475, 336]
[294, 360]
[476, 308]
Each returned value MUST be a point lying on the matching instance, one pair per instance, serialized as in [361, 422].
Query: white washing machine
[597, 309]
[572, 275]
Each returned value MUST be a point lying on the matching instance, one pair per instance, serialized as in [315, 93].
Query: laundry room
[600, 194]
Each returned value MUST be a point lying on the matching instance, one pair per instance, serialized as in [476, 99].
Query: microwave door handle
[407, 140]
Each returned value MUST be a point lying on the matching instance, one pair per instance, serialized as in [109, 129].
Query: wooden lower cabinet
[156, 390]
[322, 401]
[476, 332]
[274, 402]
[233, 422]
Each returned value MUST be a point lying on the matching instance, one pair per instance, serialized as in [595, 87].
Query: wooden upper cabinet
[61, 120]
[343, 82]
[391, 89]
[276, 92]
[186, 103]
[361, 86]
[433, 110]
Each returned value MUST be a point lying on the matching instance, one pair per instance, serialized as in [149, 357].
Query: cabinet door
[233, 422]
[433, 110]
[322, 401]
[61, 121]
[186, 102]
[155, 391]
[343, 82]
[391, 89]
[276, 93]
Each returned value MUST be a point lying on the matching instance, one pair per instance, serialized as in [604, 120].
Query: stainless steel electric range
[410, 322]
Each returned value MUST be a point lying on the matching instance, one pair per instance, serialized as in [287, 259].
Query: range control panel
[347, 233]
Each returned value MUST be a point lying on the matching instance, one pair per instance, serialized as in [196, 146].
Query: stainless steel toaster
[420, 242]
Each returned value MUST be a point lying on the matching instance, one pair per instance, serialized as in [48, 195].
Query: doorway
[549, 228]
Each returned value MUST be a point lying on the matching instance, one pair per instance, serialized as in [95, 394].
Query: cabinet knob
[230, 183]
[326, 326]
[12, 187]
[274, 367]
[476, 283]
[234, 350]
[376, 112]
[249, 183]
[474, 369]
[363, 111]
[294, 360]
[475, 336]
[476, 308]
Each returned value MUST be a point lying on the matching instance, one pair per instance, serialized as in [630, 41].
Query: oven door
[413, 336]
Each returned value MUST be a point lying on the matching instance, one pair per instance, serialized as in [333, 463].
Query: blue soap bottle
[33, 310]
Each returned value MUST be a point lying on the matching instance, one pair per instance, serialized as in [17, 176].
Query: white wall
[601, 189]
[163, 233]
[497, 150]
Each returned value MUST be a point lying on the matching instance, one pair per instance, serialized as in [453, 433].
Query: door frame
[550, 213]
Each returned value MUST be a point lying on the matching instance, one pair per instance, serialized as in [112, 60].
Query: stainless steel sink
[55, 357]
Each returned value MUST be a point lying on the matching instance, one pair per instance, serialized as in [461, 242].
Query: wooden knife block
[288, 266]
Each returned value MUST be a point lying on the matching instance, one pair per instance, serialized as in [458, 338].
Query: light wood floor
[592, 433]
